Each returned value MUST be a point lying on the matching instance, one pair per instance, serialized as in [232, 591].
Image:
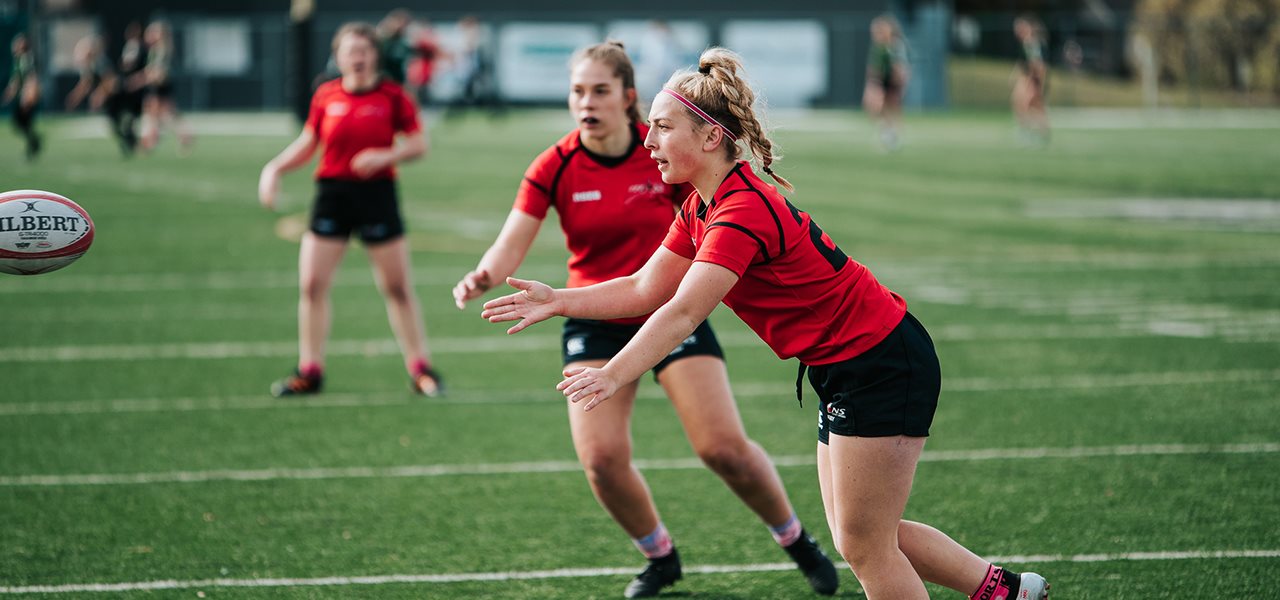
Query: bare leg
[869, 480]
[699, 389]
[318, 259]
[870, 483]
[602, 439]
[391, 271]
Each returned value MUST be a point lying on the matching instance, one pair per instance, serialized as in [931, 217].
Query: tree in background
[1231, 44]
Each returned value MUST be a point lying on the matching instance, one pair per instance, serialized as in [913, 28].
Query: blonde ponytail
[718, 89]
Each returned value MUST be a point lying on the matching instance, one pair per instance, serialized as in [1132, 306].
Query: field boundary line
[741, 389]
[569, 466]
[427, 578]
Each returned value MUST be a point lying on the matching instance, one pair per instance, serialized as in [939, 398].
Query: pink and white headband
[701, 113]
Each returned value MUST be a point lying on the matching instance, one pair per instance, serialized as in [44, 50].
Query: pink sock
[417, 365]
[655, 545]
[997, 585]
[310, 370]
[787, 533]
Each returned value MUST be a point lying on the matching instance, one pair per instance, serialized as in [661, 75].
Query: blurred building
[242, 54]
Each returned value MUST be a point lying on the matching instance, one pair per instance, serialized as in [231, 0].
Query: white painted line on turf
[175, 584]
[741, 389]
[498, 341]
[245, 280]
[674, 464]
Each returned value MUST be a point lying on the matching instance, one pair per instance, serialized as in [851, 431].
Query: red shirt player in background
[739, 241]
[357, 119]
[615, 211]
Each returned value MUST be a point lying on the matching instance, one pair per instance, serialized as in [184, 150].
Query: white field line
[174, 584]
[928, 269]
[741, 389]
[676, 464]
[1164, 118]
[497, 341]
[239, 280]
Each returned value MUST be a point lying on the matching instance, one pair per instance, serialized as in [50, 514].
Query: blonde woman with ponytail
[737, 240]
[615, 210]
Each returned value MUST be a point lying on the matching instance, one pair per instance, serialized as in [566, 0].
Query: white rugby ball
[41, 232]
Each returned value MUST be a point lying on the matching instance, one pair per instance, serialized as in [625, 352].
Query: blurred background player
[23, 90]
[160, 111]
[660, 55]
[472, 65]
[1030, 82]
[104, 90]
[738, 240]
[615, 210]
[357, 118]
[426, 54]
[887, 74]
[133, 79]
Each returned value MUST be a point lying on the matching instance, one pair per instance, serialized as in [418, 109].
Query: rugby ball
[41, 232]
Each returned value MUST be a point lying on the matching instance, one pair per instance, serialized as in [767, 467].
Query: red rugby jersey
[614, 211]
[798, 291]
[346, 123]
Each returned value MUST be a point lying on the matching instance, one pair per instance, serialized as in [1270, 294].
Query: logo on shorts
[689, 341]
[575, 345]
[833, 412]
[325, 225]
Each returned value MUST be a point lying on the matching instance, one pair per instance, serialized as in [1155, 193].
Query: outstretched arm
[702, 289]
[636, 294]
[501, 259]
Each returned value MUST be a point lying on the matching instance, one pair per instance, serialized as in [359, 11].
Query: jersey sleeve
[406, 114]
[316, 113]
[534, 196]
[738, 236]
[679, 236]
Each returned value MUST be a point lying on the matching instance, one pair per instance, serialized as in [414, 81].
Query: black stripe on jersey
[538, 185]
[564, 164]
[782, 238]
[702, 210]
[763, 250]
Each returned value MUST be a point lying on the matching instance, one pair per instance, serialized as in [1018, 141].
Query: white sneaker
[1033, 587]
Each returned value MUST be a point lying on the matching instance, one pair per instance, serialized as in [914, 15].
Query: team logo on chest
[337, 109]
[648, 189]
[587, 196]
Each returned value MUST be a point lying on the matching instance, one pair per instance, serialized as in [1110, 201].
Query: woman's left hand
[370, 161]
[587, 383]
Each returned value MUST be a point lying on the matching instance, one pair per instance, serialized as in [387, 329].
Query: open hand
[534, 302]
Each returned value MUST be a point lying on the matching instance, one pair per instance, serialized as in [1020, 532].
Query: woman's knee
[397, 291]
[314, 289]
[862, 544]
[605, 465]
[730, 459]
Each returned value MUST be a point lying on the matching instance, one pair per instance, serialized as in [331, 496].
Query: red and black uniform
[615, 211]
[346, 123]
[874, 370]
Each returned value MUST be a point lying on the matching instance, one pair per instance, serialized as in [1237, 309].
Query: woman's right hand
[534, 302]
[472, 286]
[268, 186]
